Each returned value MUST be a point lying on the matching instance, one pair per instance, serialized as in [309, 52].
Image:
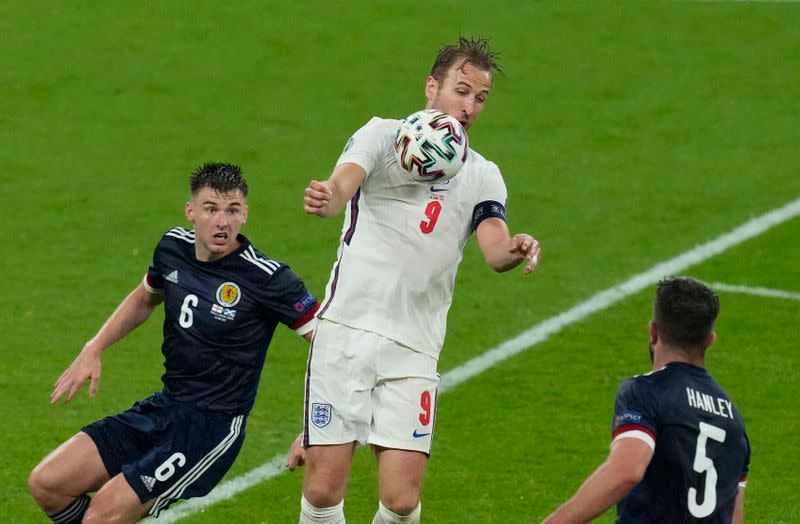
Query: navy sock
[72, 514]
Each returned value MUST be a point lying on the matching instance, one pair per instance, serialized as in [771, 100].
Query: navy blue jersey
[701, 452]
[219, 318]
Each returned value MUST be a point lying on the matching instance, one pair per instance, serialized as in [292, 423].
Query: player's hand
[316, 198]
[528, 247]
[86, 366]
[297, 455]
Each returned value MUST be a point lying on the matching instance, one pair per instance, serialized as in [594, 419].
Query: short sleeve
[290, 301]
[635, 411]
[154, 278]
[366, 145]
[746, 468]
[493, 197]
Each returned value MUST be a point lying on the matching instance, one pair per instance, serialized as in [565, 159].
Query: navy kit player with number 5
[223, 299]
[679, 452]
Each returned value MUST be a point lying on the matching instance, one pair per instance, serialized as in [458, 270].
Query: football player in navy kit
[222, 300]
[679, 452]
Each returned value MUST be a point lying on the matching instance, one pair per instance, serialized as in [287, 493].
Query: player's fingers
[318, 188]
[55, 395]
[533, 261]
[93, 386]
[76, 385]
[312, 210]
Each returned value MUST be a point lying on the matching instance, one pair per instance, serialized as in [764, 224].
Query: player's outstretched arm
[329, 197]
[612, 480]
[503, 251]
[132, 312]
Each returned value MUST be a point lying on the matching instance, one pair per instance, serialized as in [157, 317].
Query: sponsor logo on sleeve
[628, 417]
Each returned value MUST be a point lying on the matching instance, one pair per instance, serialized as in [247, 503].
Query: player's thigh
[339, 381]
[327, 471]
[73, 468]
[116, 502]
[404, 400]
[400, 477]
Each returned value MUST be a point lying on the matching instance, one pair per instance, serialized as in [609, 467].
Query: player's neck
[666, 355]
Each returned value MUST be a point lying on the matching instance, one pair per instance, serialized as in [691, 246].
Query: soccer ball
[431, 146]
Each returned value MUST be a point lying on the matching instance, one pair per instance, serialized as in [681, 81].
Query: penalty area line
[525, 340]
[755, 290]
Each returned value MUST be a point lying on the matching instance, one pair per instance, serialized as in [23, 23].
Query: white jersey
[402, 241]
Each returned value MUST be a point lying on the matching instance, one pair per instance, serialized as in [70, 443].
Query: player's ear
[189, 211]
[711, 338]
[245, 211]
[653, 332]
[431, 89]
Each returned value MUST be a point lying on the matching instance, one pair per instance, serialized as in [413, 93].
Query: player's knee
[387, 515]
[323, 495]
[401, 503]
[43, 485]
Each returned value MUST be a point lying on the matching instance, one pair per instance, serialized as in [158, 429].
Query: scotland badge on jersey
[228, 294]
[321, 414]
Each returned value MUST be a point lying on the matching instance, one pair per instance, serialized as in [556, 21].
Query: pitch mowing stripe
[527, 339]
[758, 291]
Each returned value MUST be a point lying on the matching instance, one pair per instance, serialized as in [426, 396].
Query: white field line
[758, 291]
[536, 334]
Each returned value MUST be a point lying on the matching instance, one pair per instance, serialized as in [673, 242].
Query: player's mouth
[220, 239]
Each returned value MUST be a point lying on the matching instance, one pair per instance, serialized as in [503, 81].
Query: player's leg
[338, 411]
[60, 482]
[327, 472]
[404, 411]
[400, 476]
[116, 503]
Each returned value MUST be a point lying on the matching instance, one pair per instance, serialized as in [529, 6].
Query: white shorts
[362, 387]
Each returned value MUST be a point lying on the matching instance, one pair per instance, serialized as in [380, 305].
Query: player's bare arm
[502, 251]
[328, 198]
[738, 510]
[612, 480]
[132, 312]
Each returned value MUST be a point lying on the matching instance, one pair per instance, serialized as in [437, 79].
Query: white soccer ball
[431, 146]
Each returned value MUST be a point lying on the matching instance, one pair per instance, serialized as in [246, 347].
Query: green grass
[627, 133]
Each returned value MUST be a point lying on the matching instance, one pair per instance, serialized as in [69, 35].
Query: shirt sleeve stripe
[301, 325]
[149, 287]
[630, 427]
[743, 481]
[637, 434]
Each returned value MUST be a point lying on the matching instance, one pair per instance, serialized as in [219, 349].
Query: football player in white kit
[372, 365]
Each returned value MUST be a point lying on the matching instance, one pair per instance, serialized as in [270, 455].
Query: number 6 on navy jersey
[187, 317]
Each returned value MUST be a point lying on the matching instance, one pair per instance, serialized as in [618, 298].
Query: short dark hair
[473, 51]
[684, 312]
[222, 178]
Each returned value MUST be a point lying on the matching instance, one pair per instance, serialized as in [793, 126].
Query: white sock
[310, 514]
[386, 516]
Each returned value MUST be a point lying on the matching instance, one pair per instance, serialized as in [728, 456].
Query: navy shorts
[168, 450]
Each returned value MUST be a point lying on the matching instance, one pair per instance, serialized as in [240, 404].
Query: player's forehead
[210, 195]
[465, 74]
